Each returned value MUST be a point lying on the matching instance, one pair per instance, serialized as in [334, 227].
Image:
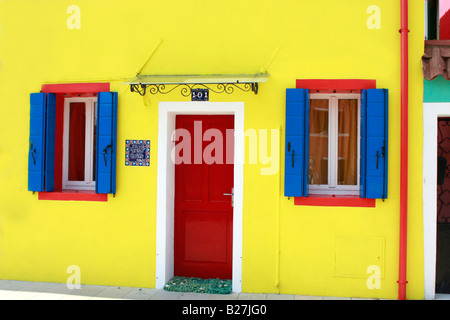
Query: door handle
[232, 196]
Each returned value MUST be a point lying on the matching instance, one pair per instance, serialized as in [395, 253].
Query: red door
[203, 202]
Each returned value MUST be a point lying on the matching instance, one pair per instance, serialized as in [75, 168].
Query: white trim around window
[91, 114]
[332, 188]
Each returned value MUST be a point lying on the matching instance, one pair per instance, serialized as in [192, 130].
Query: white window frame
[88, 183]
[332, 188]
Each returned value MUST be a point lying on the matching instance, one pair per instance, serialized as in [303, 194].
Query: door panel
[194, 173]
[203, 214]
[443, 208]
[199, 226]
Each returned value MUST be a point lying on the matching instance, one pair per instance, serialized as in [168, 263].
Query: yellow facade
[307, 250]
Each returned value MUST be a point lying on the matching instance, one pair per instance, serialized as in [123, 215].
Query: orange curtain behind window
[318, 142]
[347, 142]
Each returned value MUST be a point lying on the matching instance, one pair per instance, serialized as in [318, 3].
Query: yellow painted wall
[286, 248]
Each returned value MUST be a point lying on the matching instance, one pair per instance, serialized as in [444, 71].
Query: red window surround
[62, 91]
[334, 201]
[73, 195]
[338, 86]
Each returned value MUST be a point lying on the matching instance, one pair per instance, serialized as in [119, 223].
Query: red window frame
[335, 86]
[63, 91]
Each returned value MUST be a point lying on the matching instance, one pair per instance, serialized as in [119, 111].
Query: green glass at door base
[197, 285]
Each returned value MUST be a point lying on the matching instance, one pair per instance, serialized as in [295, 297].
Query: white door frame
[431, 113]
[166, 184]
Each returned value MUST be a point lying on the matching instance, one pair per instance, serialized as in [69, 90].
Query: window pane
[318, 142]
[347, 142]
[77, 133]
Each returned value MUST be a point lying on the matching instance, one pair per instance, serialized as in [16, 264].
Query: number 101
[200, 95]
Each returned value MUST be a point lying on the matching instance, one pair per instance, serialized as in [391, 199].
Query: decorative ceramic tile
[137, 153]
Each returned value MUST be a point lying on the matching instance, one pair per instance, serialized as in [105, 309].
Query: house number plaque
[200, 94]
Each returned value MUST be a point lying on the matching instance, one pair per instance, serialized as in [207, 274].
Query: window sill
[334, 201]
[73, 195]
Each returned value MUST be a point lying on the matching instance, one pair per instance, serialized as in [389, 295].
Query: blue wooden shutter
[50, 142]
[41, 152]
[106, 149]
[36, 146]
[297, 143]
[374, 143]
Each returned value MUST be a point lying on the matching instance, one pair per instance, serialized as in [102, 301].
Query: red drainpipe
[404, 152]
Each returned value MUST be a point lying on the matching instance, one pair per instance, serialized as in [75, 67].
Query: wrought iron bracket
[186, 89]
